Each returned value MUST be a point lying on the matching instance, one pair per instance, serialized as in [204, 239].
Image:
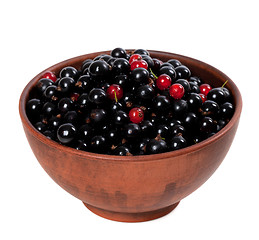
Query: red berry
[74, 96]
[176, 91]
[136, 115]
[205, 88]
[135, 57]
[163, 82]
[115, 92]
[138, 64]
[203, 97]
[50, 75]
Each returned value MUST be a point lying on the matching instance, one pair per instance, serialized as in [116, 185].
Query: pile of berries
[128, 103]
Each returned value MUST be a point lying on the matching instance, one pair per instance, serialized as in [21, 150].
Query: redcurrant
[135, 57]
[136, 115]
[205, 88]
[50, 75]
[176, 91]
[163, 82]
[115, 92]
[138, 64]
[203, 97]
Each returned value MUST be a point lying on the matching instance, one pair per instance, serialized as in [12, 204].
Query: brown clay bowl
[134, 188]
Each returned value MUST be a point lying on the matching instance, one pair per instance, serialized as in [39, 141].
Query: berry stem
[115, 96]
[224, 84]
[153, 73]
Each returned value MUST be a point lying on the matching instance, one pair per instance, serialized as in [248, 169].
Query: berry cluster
[128, 103]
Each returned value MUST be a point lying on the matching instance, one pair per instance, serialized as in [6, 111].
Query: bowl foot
[131, 217]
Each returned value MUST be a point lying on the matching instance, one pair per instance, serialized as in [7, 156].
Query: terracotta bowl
[133, 188]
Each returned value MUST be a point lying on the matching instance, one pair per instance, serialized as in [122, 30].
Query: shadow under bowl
[133, 188]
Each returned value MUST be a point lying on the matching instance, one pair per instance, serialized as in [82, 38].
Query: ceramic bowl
[133, 188]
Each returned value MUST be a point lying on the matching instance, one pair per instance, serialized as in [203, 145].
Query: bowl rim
[136, 158]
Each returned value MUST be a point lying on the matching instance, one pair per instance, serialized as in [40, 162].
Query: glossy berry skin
[97, 96]
[226, 110]
[65, 104]
[80, 145]
[174, 62]
[122, 151]
[194, 87]
[157, 64]
[217, 95]
[118, 53]
[207, 125]
[50, 93]
[161, 105]
[138, 64]
[140, 75]
[48, 109]
[163, 82]
[172, 122]
[194, 101]
[132, 130]
[141, 51]
[162, 130]
[84, 83]
[50, 75]
[99, 144]
[145, 93]
[43, 84]
[179, 108]
[156, 146]
[168, 70]
[66, 133]
[115, 92]
[99, 69]
[227, 94]
[203, 97]
[182, 72]
[83, 102]
[85, 132]
[128, 99]
[40, 126]
[134, 57]
[122, 80]
[120, 118]
[113, 136]
[98, 115]
[149, 61]
[209, 108]
[136, 115]
[205, 88]
[69, 72]
[120, 66]
[66, 85]
[177, 130]
[115, 106]
[54, 122]
[185, 84]
[33, 108]
[196, 80]
[85, 64]
[191, 121]
[176, 91]
[176, 143]
[147, 129]
[166, 64]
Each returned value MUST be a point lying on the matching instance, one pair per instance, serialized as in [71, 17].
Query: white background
[38, 34]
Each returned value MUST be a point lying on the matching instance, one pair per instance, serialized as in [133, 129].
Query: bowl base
[131, 217]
